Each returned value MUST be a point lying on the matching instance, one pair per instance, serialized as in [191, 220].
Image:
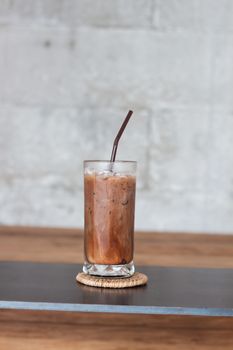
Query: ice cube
[120, 174]
[105, 173]
[89, 171]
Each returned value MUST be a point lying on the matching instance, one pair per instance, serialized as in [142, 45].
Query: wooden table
[64, 330]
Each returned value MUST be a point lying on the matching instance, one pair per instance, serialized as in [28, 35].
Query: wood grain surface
[45, 330]
[56, 330]
[164, 249]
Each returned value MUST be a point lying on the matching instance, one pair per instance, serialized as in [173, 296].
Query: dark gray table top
[177, 291]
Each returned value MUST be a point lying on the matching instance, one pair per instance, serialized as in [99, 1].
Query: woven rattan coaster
[138, 279]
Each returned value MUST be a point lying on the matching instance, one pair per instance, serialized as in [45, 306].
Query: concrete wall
[69, 72]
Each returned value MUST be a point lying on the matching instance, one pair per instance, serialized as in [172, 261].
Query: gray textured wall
[69, 72]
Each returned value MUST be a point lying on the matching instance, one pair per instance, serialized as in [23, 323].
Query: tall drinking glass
[109, 197]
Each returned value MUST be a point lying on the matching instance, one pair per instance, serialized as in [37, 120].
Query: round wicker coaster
[138, 279]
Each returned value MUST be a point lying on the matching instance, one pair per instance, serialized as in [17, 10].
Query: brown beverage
[109, 218]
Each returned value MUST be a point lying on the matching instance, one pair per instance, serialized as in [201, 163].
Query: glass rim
[109, 162]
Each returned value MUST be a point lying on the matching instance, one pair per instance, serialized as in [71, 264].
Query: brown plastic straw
[120, 132]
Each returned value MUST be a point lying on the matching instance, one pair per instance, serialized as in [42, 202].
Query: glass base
[125, 270]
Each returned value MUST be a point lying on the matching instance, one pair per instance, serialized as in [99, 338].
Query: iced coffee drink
[109, 217]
